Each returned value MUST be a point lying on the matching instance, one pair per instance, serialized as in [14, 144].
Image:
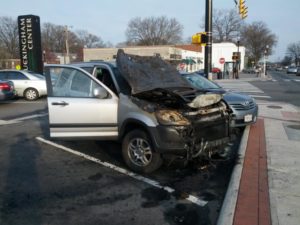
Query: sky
[109, 18]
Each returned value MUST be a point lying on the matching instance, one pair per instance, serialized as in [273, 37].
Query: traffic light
[243, 10]
[199, 38]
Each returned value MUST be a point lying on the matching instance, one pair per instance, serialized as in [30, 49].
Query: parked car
[141, 101]
[215, 70]
[298, 71]
[291, 69]
[200, 72]
[278, 69]
[7, 90]
[243, 106]
[27, 84]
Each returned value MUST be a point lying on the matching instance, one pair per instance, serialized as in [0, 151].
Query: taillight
[5, 87]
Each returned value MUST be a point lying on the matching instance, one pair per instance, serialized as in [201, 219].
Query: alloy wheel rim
[31, 94]
[139, 151]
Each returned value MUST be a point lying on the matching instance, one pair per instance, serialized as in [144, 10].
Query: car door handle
[60, 103]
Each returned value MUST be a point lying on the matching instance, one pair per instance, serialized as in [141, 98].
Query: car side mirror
[100, 92]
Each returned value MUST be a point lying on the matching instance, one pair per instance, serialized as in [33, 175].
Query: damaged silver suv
[142, 102]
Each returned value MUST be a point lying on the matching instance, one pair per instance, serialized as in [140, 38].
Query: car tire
[138, 152]
[31, 94]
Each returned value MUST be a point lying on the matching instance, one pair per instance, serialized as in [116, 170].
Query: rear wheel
[31, 94]
[138, 152]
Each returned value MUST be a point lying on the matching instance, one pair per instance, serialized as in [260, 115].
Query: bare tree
[53, 37]
[286, 61]
[226, 25]
[293, 50]
[154, 31]
[89, 40]
[257, 38]
[9, 37]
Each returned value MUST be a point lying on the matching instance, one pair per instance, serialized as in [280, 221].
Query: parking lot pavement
[21, 108]
[43, 184]
[264, 188]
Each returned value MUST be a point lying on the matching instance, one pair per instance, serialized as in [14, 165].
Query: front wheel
[138, 152]
[31, 94]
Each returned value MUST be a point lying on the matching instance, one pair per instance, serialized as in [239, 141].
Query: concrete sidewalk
[265, 184]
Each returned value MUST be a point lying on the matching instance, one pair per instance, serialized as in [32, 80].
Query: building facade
[187, 58]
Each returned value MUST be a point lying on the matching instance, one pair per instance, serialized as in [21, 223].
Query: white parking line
[7, 122]
[21, 102]
[31, 117]
[138, 177]
[20, 119]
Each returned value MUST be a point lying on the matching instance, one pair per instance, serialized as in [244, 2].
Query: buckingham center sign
[30, 43]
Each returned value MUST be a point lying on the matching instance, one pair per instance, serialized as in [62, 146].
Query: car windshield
[200, 82]
[36, 75]
[124, 86]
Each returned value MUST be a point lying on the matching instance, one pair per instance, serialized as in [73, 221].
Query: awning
[188, 61]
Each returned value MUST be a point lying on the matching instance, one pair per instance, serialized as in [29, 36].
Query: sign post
[30, 43]
[222, 60]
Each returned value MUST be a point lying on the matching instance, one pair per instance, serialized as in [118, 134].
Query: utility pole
[265, 59]
[208, 47]
[239, 58]
[67, 57]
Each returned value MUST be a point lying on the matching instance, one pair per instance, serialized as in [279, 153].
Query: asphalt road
[41, 183]
[282, 87]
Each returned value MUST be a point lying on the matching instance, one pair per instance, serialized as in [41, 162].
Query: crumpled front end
[197, 129]
[208, 132]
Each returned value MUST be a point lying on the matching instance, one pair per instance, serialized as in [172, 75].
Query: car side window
[81, 83]
[16, 76]
[3, 75]
[69, 82]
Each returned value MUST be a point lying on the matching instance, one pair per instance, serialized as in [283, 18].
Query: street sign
[222, 60]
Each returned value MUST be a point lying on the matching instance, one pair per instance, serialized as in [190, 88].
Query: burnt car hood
[148, 73]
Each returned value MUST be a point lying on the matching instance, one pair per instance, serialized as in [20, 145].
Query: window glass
[88, 69]
[16, 76]
[69, 82]
[123, 84]
[3, 75]
[81, 83]
[39, 76]
[201, 82]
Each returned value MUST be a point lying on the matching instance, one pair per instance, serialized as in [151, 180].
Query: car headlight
[171, 117]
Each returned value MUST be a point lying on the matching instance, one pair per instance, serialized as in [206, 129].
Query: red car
[7, 90]
[215, 70]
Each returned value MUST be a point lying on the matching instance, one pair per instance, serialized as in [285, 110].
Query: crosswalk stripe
[243, 87]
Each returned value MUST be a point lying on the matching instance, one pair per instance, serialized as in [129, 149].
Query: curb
[229, 203]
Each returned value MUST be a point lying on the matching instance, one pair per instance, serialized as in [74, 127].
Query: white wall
[225, 50]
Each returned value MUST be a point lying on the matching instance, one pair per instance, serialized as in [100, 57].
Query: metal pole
[239, 59]
[67, 46]
[264, 64]
[208, 30]
[265, 60]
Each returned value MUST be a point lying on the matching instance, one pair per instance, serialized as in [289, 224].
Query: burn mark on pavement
[188, 214]
[154, 196]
